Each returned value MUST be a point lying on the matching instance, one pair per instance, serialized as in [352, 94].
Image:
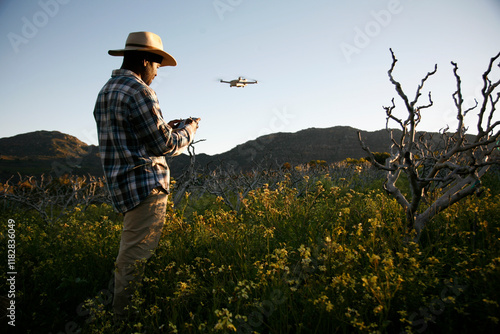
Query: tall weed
[325, 255]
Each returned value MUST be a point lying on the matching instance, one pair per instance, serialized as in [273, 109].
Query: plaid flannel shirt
[134, 139]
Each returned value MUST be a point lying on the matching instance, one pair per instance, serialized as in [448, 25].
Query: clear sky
[319, 63]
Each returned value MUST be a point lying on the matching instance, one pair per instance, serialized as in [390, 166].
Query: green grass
[332, 260]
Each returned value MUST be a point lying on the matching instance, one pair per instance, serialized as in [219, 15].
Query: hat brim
[168, 60]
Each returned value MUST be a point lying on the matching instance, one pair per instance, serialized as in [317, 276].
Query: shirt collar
[123, 72]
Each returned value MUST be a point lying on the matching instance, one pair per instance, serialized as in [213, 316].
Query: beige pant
[141, 233]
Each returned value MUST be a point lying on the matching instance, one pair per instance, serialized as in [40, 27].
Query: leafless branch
[53, 198]
[450, 165]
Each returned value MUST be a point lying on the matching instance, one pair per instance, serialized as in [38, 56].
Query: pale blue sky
[319, 63]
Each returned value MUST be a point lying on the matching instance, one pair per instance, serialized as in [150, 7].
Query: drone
[240, 82]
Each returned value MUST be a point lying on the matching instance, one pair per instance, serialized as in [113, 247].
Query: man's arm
[152, 130]
[183, 125]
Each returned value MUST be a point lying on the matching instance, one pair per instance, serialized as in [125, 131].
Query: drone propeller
[241, 81]
[248, 79]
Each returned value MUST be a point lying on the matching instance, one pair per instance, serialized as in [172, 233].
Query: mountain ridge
[57, 153]
[329, 144]
[41, 144]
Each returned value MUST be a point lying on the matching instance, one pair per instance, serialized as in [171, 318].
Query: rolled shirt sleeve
[159, 138]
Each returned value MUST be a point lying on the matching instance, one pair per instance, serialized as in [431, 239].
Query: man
[133, 142]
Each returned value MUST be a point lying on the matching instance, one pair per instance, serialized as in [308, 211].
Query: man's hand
[181, 123]
[174, 123]
[193, 119]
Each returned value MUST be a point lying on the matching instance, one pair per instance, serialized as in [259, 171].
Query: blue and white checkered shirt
[134, 139]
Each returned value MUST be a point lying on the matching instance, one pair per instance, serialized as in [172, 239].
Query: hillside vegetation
[47, 152]
[327, 254]
[57, 154]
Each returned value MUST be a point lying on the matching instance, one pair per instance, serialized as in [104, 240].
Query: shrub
[315, 256]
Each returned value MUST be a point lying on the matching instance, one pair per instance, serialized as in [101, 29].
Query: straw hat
[145, 41]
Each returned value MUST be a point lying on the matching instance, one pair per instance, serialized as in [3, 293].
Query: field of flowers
[325, 255]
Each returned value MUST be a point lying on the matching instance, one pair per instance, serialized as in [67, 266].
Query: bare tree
[232, 185]
[188, 178]
[448, 167]
[53, 198]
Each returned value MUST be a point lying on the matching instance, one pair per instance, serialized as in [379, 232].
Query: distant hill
[42, 145]
[47, 152]
[330, 144]
[56, 153]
